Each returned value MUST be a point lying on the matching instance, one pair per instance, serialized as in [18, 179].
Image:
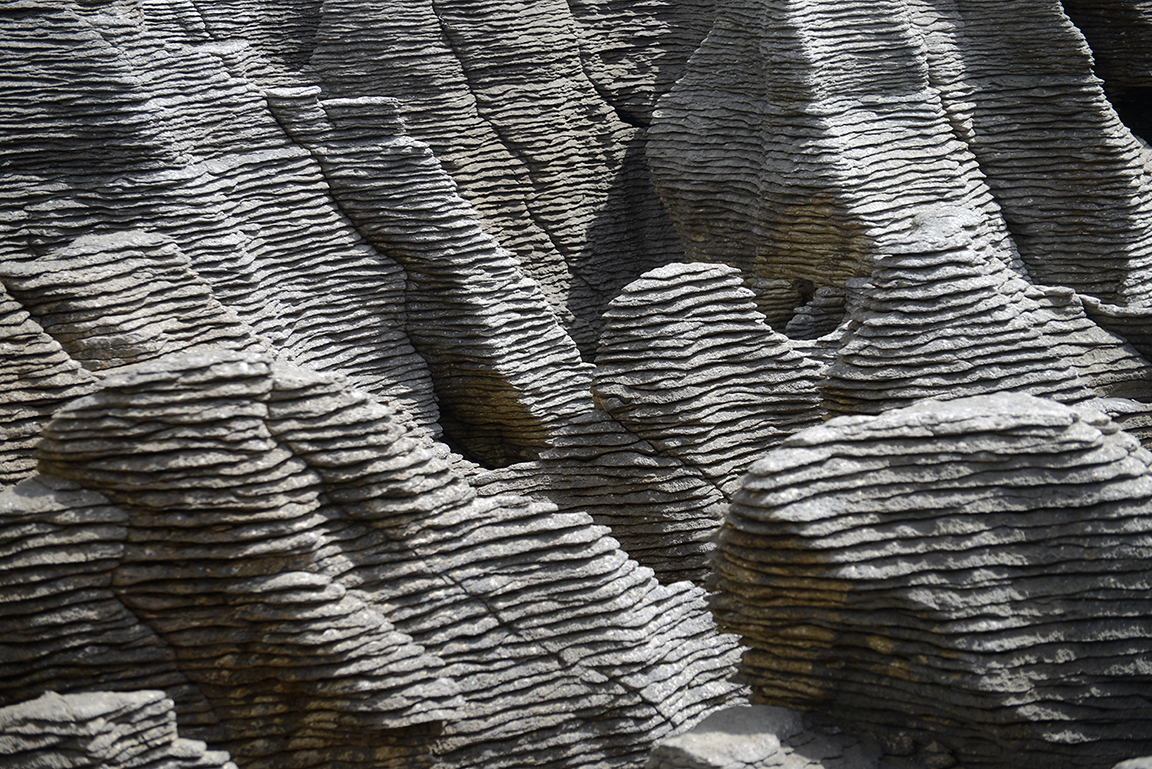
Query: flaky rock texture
[376, 376]
[687, 362]
[103, 731]
[972, 570]
[326, 587]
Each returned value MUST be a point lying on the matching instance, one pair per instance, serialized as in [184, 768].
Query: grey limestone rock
[970, 571]
[1047, 140]
[761, 737]
[500, 94]
[169, 136]
[36, 377]
[314, 568]
[937, 320]
[802, 140]
[101, 730]
[687, 362]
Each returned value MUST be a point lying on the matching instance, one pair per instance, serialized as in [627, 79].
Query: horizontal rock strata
[687, 362]
[803, 139]
[103, 731]
[163, 136]
[937, 320]
[36, 377]
[970, 571]
[499, 93]
[1070, 179]
[269, 519]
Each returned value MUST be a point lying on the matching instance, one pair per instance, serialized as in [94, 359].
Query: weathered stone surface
[499, 93]
[792, 149]
[101, 730]
[315, 568]
[760, 737]
[971, 571]
[439, 206]
[687, 362]
[161, 134]
[36, 377]
[938, 320]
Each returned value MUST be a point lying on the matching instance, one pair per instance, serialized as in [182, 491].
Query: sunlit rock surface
[376, 377]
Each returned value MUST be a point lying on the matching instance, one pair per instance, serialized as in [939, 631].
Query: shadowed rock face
[300, 425]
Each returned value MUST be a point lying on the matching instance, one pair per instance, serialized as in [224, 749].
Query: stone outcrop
[687, 362]
[102, 731]
[805, 136]
[1047, 141]
[796, 151]
[936, 320]
[970, 571]
[259, 258]
[761, 737]
[499, 93]
[322, 583]
[164, 136]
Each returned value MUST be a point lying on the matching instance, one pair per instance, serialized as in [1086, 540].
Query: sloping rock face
[323, 586]
[805, 136]
[973, 570]
[259, 257]
[687, 362]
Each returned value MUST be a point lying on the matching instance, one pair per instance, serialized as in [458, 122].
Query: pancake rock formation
[313, 581]
[397, 384]
[971, 571]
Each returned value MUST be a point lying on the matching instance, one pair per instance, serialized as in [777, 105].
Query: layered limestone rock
[102, 731]
[803, 139]
[1118, 32]
[761, 737]
[805, 136]
[161, 135]
[971, 571]
[687, 362]
[506, 373]
[1072, 182]
[499, 93]
[437, 206]
[319, 577]
[36, 377]
[936, 320]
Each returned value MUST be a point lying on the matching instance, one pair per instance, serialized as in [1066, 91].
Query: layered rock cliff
[402, 383]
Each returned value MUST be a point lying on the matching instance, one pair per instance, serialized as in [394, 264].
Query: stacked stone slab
[760, 737]
[499, 93]
[160, 134]
[937, 320]
[63, 627]
[1071, 180]
[663, 512]
[121, 298]
[634, 53]
[334, 590]
[36, 377]
[504, 369]
[101, 730]
[511, 383]
[971, 571]
[687, 362]
[803, 139]
[1119, 33]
